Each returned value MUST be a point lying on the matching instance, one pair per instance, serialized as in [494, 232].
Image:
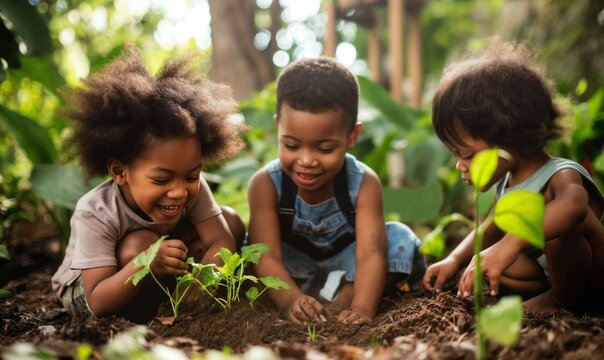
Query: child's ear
[117, 171]
[354, 134]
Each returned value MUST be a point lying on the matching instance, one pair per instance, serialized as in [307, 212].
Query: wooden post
[330, 39]
[414, 53]
[374, 52]
[395, 26]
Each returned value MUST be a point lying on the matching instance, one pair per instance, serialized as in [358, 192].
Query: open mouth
[169, 209]
[306, 178]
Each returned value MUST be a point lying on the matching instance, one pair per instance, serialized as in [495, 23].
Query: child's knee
[133, 244]
[235, 223]
[403, 252]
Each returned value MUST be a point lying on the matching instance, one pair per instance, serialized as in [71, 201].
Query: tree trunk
[235, 60]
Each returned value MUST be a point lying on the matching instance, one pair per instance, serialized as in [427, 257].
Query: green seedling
[232, 274]
[312, 332]
[183, 283]
[209, 276]
[519, 213]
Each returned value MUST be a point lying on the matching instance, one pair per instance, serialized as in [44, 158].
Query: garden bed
[414, 326]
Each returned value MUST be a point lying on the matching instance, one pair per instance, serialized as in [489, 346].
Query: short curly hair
[499, 96]
[123, 109]
[317, 85]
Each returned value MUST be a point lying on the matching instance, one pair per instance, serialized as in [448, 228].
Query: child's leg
[569, 261]
[144, 306]
[524, 277]
[405, 261]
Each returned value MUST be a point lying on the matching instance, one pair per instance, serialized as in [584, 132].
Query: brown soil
[414, 326]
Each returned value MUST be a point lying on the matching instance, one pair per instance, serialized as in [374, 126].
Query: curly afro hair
[123, 109]
[317, 85]
[500, 97]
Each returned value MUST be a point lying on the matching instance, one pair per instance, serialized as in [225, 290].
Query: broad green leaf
[253, 252]
[225, 254]
[434, 244]
[502, 322]
[41, 69]
[483, 167]
[5, 293]
[252, 293]
[397, 113]
[521, 214]
[29, 25]
[32, 138]
[274, 282]
[208, 276]
[60, 184]
[414, 205]
[144, 259]
[4, 252]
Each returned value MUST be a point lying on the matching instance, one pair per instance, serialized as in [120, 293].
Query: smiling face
[160, 182]
[467, 150]
[312, 149]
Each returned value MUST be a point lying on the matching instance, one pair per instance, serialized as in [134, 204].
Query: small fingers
[427, 280]
[494, 283]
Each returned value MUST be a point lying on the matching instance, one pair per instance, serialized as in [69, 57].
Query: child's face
[312, 148]
[466, 152]
[159, 183]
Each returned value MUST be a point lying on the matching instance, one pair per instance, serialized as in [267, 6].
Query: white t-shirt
[102, 218]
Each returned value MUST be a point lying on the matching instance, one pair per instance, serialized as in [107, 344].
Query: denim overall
[324, 224]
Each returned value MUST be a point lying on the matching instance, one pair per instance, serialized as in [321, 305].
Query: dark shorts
[74, 300]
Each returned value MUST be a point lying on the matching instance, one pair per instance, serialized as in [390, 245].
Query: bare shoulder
[260, 184]
[565, 180]
[370, 192]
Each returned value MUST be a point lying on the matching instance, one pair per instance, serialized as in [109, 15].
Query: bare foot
[342, 301]
[543, 304]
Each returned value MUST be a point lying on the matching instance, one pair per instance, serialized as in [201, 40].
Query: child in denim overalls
[320, 210]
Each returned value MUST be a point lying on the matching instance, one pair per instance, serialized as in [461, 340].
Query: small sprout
[312, 332]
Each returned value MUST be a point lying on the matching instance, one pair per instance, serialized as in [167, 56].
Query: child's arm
[264, 228]
[106, 289]
[566, 208]
[214, 234]
[370, 252]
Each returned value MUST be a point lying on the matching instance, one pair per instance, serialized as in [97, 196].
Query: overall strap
[287, 211]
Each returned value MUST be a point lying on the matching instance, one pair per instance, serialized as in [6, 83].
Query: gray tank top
[537, 181]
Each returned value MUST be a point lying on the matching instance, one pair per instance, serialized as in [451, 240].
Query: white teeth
[169, 207]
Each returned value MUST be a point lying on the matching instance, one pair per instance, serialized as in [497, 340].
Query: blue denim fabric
[322, 223]
[403, 256]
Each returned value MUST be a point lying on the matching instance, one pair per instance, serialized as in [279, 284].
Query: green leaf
[252, 293]
[253, 252]
[61, 185]
[4, 252]
[502, 322]
[225, 254]
[29, 25]
[144, 259]
[397, 113]
[232, 263]
[83, 351]
[274, 282]
[5, 293]
[483, 167]
[521, 214]
[250, 278]
[43, 70]
[32, 138]
[207, 276]
[434, 244]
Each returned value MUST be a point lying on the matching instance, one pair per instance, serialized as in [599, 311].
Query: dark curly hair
[318, 85]
[123, 109]
[499, 96]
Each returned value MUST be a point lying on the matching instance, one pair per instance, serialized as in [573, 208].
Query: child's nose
[179, 190]
[307, 159]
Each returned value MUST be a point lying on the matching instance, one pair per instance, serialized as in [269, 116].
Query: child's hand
[439, 273]
[170, 258]
[495, 260]
[304, 309]
[354, 316]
